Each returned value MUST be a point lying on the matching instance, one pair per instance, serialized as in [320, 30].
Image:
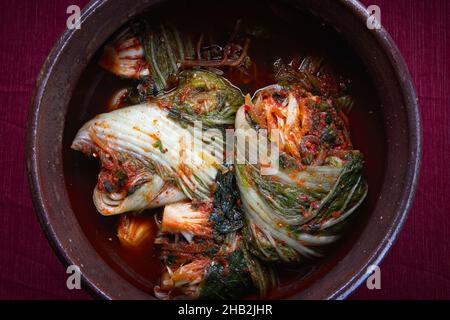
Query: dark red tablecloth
[418, 266]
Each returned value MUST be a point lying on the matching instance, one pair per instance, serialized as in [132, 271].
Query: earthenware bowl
[100, 19]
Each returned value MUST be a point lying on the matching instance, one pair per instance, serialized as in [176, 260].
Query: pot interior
[297, 35]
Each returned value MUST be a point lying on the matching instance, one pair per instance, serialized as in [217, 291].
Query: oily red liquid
[296, 35]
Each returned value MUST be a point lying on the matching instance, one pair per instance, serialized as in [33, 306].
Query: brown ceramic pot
[100, 19]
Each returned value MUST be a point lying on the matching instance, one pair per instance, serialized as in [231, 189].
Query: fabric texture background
[418, 266]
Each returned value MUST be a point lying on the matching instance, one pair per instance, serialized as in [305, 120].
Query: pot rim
[397, 62]
[415, 146]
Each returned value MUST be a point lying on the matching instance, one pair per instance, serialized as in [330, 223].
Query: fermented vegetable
[293, 213]
[155, 52]
[152, 154]
[222, 230]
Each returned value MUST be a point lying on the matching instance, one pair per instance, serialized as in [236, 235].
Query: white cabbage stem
[164, 150]
[183, 218]
[125, 57]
